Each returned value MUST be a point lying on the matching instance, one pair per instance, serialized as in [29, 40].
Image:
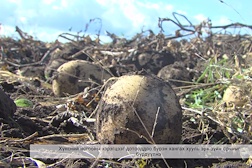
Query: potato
[72, 77]
[235, 95]
[145, 95]
[7, 106]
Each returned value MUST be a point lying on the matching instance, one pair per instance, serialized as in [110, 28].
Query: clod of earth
[139, 109]
[33, 71]
[7, 106]
[51, 66]
[175, 71]
[72, 77]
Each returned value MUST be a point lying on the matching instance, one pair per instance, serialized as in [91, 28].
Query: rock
[145, 95]
[72, 77]
[7, 106]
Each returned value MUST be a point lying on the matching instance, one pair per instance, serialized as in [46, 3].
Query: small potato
[72, 77]
[235, 95]
[139, 96]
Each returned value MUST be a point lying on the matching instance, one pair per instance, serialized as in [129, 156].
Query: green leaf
[23, 103]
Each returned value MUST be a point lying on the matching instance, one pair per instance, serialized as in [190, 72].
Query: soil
[28, 68]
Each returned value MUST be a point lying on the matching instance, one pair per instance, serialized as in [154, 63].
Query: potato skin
[117, 122]
[73, 76]
[235, 95]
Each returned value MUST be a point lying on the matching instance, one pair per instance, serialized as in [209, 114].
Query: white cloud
[182, 12]
[47, 37]
[23, 19]
[15, 1]
[132, 15]
[169, 7]
[200, 17]
[64, 3]
[120, 17]
[56, 7]
[48, 2]
[107, 2]
[148, 5]
[62, 6]
[223, 20]
[7, 30]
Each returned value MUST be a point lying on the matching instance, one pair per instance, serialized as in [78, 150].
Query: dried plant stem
[155, 123]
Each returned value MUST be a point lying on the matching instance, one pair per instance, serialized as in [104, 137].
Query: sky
[46, 19]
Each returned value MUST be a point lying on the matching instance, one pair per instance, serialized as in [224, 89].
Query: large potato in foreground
[149, 97]
[73, 76]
